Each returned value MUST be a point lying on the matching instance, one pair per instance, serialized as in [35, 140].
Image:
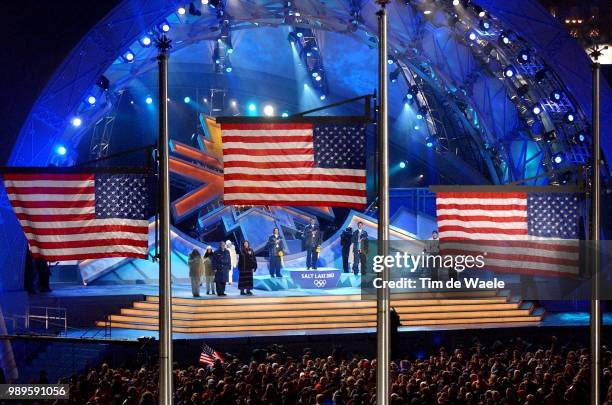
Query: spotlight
[145, 41]
[504, 38]
[268, 110]
[285, 115]
[300, 34]
[455, 2]
[61, 150]
[416, 127]
[228, 69]
[430, 141]
[485, 25]
[536, 109]
[558, 158]
[479, 10]
[322, 97]
[128, 56]
[230, 50]
[569, 117]
[556, 96]
[193, 10]
[187, 99]
[234, 104]
[76, 122]
[204, 2]
[409, 97]
[292, 37]
[524, 56]
[315, 74]
[91, 100]
[252, 107]
[419, 116]
[579, 137]
[394, 75]
[509, 71]
[181, 11]
[318, 78]
[390, 61]
[472, 36]
[402, 165]
[149, 100]
[164, 26]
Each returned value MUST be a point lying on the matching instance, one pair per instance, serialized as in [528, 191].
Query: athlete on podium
[275, 250]
[312, 244]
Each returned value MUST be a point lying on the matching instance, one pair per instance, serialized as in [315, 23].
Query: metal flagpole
[595, 320]
[165, 281]
[383, 329]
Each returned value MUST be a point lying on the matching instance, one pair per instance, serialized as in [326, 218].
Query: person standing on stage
[221, 265]
[247, 264]
[233, 257]
[196, 271]
[209, 273]
[312, 244]
[432, 248]
[275, 250]
[360, 249]
[346, 238]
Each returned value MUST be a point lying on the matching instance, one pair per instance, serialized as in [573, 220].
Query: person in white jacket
[233, 258]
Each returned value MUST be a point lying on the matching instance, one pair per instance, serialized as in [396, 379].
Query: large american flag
[78, 216]
[294, 164]
[530, 233]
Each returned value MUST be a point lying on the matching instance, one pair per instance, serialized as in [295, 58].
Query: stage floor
[66, 292]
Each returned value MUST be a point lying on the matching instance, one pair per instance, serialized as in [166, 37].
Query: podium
[323, 278]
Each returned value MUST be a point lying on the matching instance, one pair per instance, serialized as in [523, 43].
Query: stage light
[164, 26]
[524, 56]
[91, 100]
[318, 78]
[419, 116]
[509, 71]
[505, 39]
[558, 158]
[268, 110]
[145, 41]
[315, 74]
[230, 50]
[132, 102]
[416, 127]
[390, 61]
[285, 115]
[129, 56]
[322, 97]
[485, 25]
[181, 10]
[536, 109]
[569, 117]
[394, 75]
[76, 122]
[579, 137]
[402, 165]
[429, 141]
[61, 150]
[149, 100]
[228, 69]
[472, 36]
[556, 96]
[292, 37]
[479, 10]
[409, 97]
[252, 107]
[455, 2]
[300, 34]
[204, 2]
[187, 99]
[234, 104]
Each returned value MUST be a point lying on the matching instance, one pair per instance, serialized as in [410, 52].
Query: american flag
[78, 216]
[209, 355]
[294, 164]
[529, 233]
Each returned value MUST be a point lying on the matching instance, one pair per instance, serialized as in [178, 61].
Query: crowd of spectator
[509, 372]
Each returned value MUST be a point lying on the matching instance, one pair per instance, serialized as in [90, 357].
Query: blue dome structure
[461, 95]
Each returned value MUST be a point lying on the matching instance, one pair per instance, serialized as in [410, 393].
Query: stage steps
[347, 312]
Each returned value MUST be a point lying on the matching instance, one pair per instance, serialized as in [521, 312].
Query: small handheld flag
[209, 355]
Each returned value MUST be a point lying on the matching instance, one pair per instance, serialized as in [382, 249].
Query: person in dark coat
[221, 265]
[275, 247]
[346, 238]
[360, 249]
[312, 243]
[44, 274]
[247, 264]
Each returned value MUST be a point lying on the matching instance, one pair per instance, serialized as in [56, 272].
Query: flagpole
[165, 281]
[595, 319]
[382, 304]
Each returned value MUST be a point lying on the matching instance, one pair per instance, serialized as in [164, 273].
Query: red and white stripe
[273, 164]
[496, 225]
[57, 214]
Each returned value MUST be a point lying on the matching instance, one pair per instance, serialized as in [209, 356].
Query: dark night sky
[37, 35]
